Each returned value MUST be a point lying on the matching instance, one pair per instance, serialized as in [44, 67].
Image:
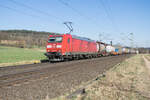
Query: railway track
[26, 76]
[13, 79]
[52, 79]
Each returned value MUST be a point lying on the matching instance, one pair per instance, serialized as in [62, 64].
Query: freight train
[69, 47]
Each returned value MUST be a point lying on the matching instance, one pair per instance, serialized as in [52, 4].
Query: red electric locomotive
[67, 46]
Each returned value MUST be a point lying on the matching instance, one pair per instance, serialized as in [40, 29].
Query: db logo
[54, 46]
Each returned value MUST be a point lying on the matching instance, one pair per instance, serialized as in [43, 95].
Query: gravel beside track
[38, 81]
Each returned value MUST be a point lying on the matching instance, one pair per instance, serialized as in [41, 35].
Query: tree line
[24, 38]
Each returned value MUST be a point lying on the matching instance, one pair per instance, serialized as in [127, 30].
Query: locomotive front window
[55, 39]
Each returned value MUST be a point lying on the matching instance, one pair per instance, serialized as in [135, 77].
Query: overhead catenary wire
[109, 15]
[40, 11]
[18, 11]
[107, 10]
[45, 13]
[36, 10]
[78, 12]
[92, 21]
[51, 15]
[74, 9]
[24, 13]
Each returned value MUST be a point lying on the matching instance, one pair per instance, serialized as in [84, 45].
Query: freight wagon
[101, 49]
[110, 50]
[118, 49]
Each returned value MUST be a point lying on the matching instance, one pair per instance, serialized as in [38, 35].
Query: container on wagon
[124, 50]
[110, 49]
[118, 49]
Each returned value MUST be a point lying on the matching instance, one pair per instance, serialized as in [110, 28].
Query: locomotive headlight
[49, 46]
[58, 46]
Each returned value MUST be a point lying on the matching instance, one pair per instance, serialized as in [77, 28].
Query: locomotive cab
[57, 46]
[54, 44]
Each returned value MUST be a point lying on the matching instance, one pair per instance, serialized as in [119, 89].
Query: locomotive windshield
[55, 39]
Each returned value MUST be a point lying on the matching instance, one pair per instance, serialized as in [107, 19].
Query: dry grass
[20, 63]
[147, 56]
[126, 81]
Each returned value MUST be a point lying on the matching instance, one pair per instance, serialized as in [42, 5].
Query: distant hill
[26, 32]
[24, 38]
[144, 50]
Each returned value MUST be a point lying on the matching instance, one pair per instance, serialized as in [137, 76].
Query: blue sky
[113, 19]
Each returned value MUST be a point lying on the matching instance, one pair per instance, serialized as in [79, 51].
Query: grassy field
[128, 80]
[13, 54]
